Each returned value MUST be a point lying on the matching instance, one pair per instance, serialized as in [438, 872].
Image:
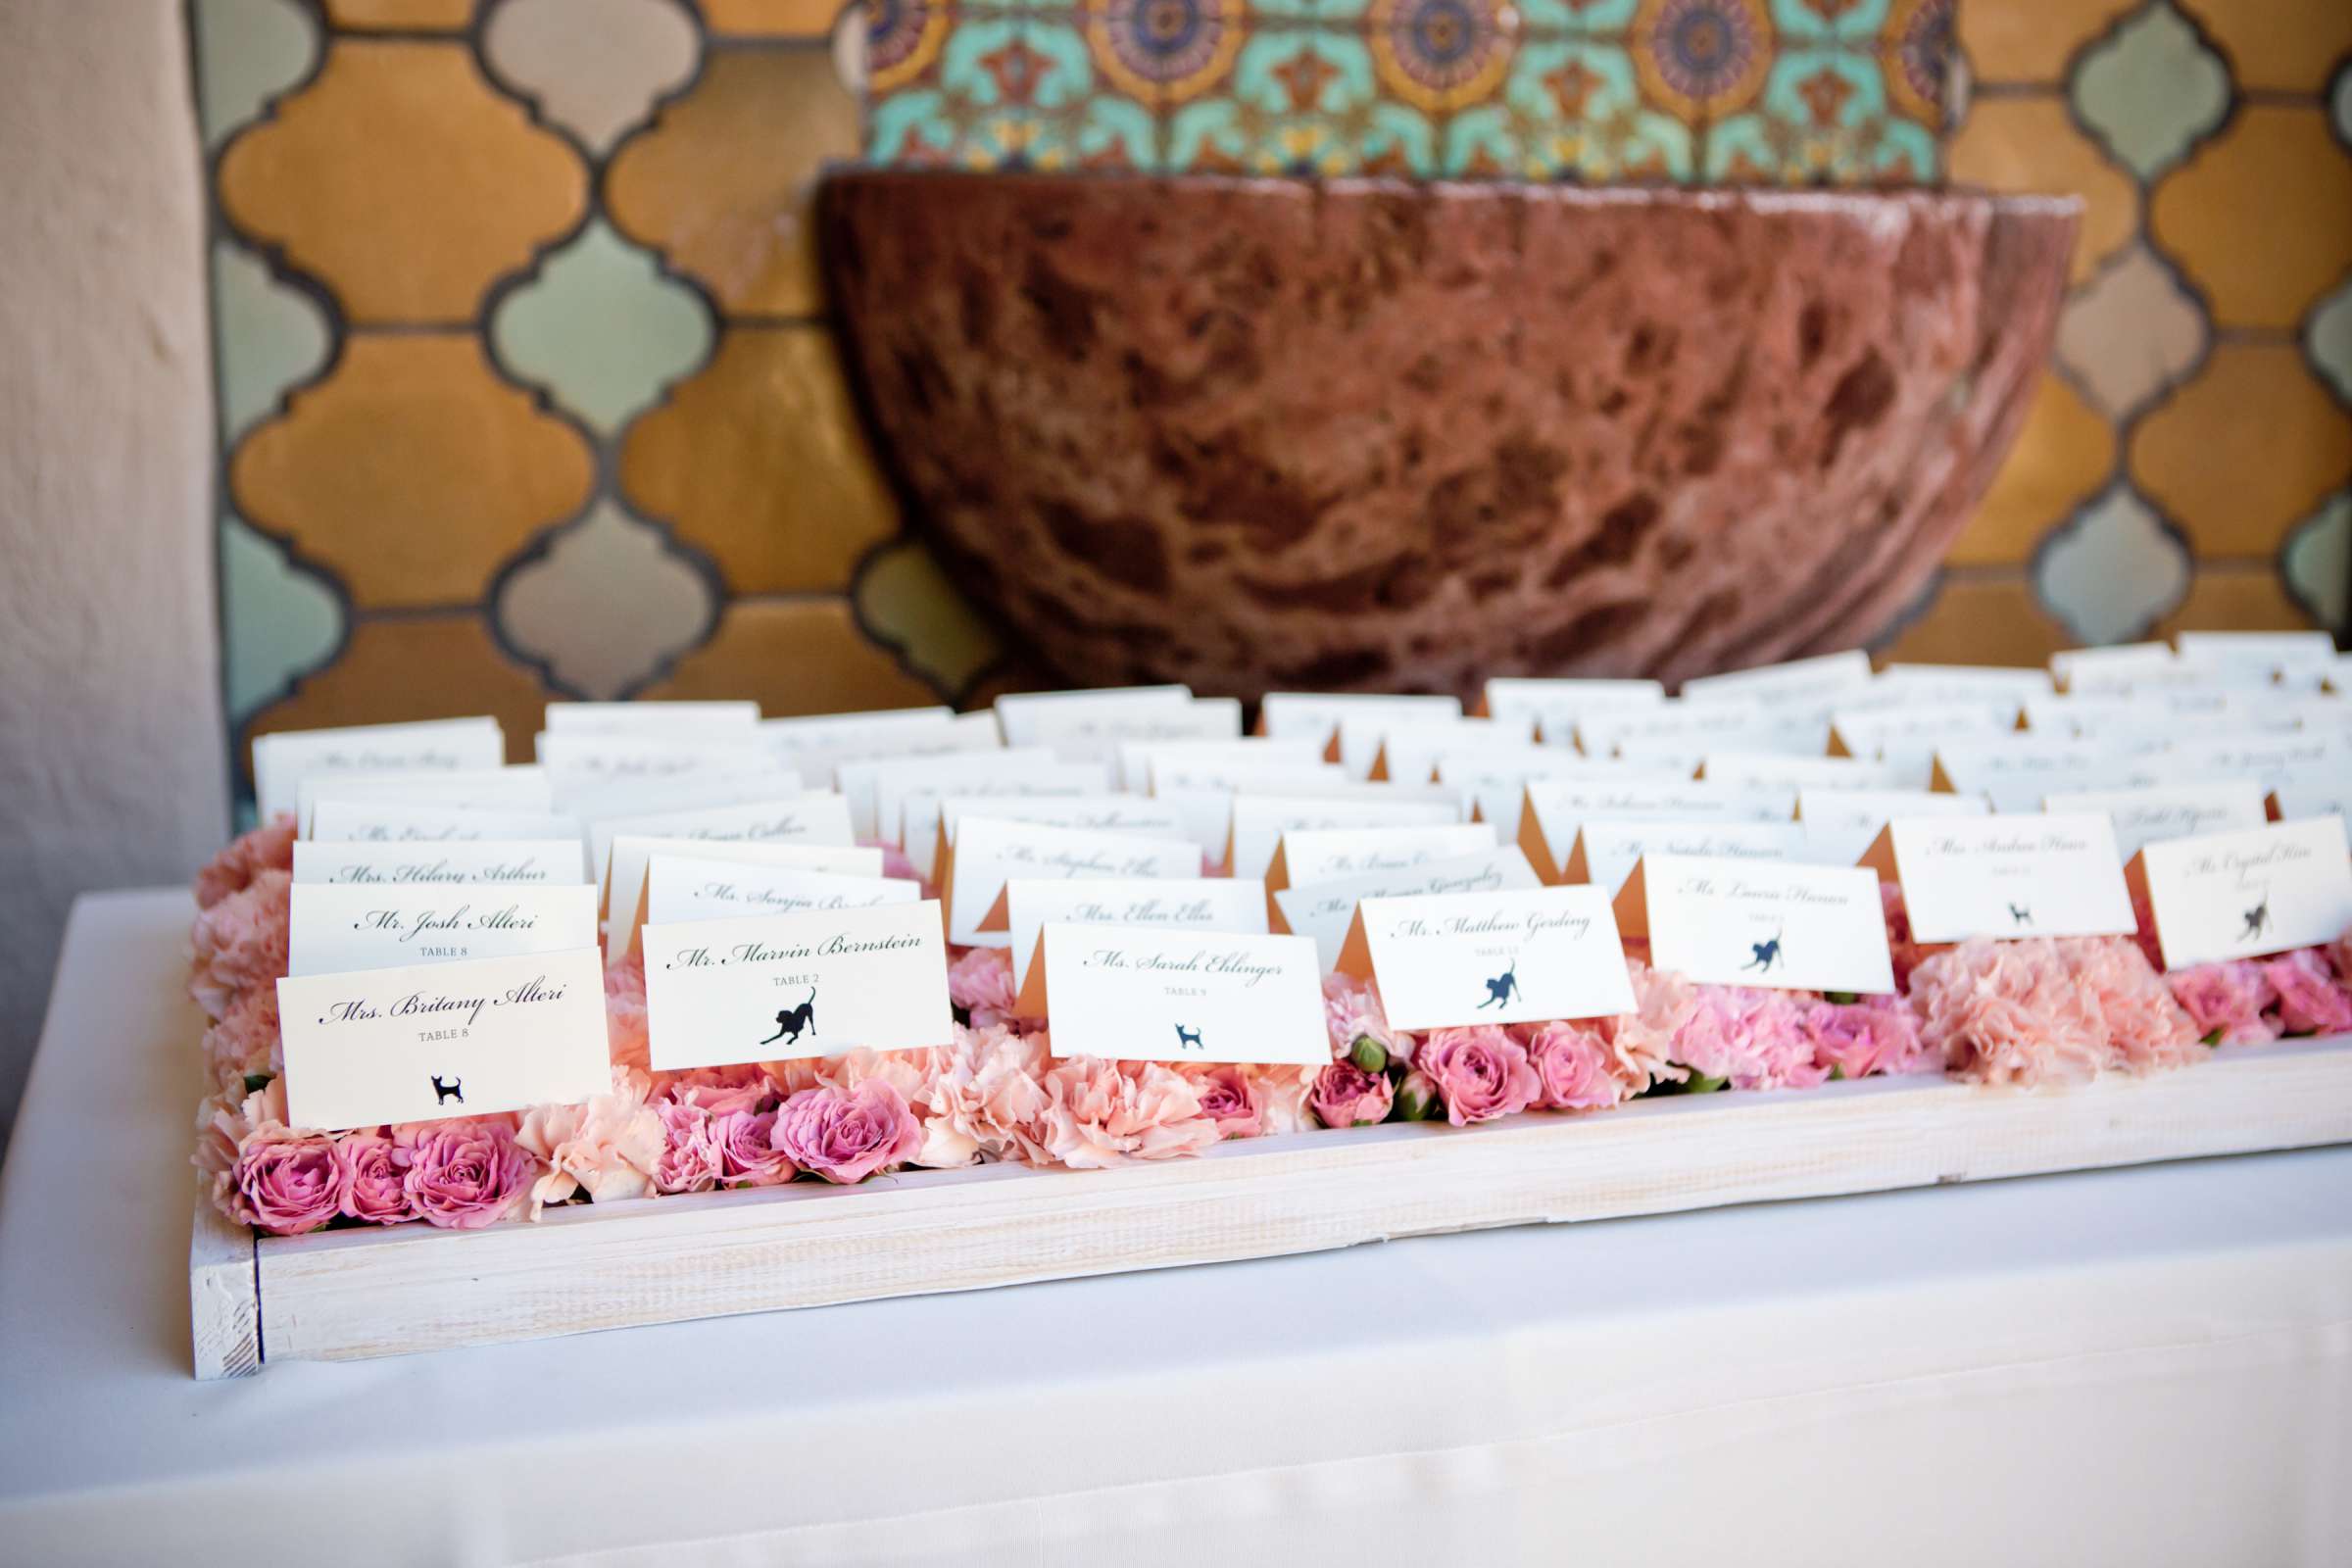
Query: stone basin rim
[1762, 200]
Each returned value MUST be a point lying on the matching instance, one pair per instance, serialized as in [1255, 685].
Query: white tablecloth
[2147, 1367]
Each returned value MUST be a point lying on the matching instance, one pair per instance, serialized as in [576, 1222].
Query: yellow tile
[401, 15]
[2245, 451]
[2029, 144]
[803, 656]
[1991, 620]
[2262, 217]
[2236, 598]
[2288, 45]
[758, 460]
[773, 18]
[412, 471]
[2030, 40]
[422, 667]
[723, 181]
[2062, 455]
[401, 179]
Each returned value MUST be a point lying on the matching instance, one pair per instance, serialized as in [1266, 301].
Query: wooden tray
[348, 1294]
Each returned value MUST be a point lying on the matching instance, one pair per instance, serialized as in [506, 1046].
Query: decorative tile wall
[526, 385]
[2189, 462]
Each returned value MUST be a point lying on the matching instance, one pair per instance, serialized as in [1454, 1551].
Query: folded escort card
[1785, 925]
[1839, 824]
[333, 927]
[284, 760]
[2265, 758]
[1152, 993]
[473, 1038]
[1198, 904]
[517, 788]
[1498, 784]
[1443, 960]
[1138, 760]
[1318, 855]
[1202, 791]
[931, 819]
[2016, 773]
[2158, 811]
[2238, 895]
[718, 718]
[586, 757]
[1902, 738]
[1020, 770]
[1089, 732]
[1766, 770]
[631, 860]
[776, 988]
[1556, 808]
[1606, 848]
[989, 851]
[819, 748]
[425, 822]
[2056, 876]
[682, 888]
[814, 822]
[1408, 754]
[1554, 707]
[1259, 822]
[2312, 792]
[1349, 724]
[1816, 683]
[1324, 909]
[553, 862]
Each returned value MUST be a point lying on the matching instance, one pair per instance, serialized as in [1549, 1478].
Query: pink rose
[288, 1182]
[606, 1148]
[1228, 1099]
[918, 1076]
[992, 1096]
[1862, 1038]
[268, 847]
[2310, 1002]
[747, 1151]
[625, 1012]
[374, 1186]
[239, 942]
[464, 1173]
[224, 1123]
[1104, 1114]
[846, 1135]
[689, 1162]
[1480, 1071]
[1576, 1069]
[1346, 1096]
[2225, 1002]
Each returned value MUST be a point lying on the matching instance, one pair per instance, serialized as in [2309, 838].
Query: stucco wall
[111, 756]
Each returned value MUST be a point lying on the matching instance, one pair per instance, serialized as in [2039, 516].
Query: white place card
[424, 822]
[590, 760]
[2016, 773]
[1203, 791]
[428, 1041]
[284, 760]
[823, 750]
[510, 789]
[2264, 652]
[1555, 808]
[1324, 909]
[1788, 926]
[1497, 785]
[782, 987]
[334, 927]
[2266, 757]
[1320, 715]
[2100, 717]
[1693, 729]
[1763, 770]
[1903, 737]
[2312, 792]
[1553, 707]
[631, 798]
[1261, 821]
[1086, 719]
[1408, 754]
[631, 855]
[1444, 959]
[2055, 875]
[2158, 811]
[1199, 903]
[1070, 794]
[1606, 850]
[990, 850]
[1839, 824]
[1096, 734]
[1996, 685]
[1817, 682]
[2111, 667]
[682, 888]
[1318, 855]
[552, 862]
[888, 782]
[1149, 993]
[653, 718]
[2260, 890]
[1138, 760]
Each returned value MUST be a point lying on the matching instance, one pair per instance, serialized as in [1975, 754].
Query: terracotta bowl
[1255, 434]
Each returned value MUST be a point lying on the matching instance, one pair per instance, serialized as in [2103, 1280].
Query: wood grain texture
[347, 1295]
[224, 1310]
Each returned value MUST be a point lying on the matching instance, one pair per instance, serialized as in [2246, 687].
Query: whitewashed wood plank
[348, 1294]
[224, 1309]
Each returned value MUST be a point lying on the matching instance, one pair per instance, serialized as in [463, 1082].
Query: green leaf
[2213, 1036]
[256, 1082]
[1844, 998]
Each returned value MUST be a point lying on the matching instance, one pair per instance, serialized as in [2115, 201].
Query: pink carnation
[1228, 1098]
[375, 1186]
[748, 1155]
[1480, 1071]
[2041, 1010]
[464, 1173]
[992, 1095]
[719, 1089]
[1101, 1113]
[1346, 1095]
[625, 1012]
[239, 942]
[846, 1135]
[2145, 1027]
[245, 1042]
[1900, 948]
[1862, 1039]
[268, 847]
[606, 1148]
[2310, 1001]
[2225, 1002]
[1352, 1011]
[288, 1182]
[1749, 1037]
[689, 1162]
[980, 981]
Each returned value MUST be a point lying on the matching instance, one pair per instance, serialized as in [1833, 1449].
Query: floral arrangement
[2023, 1013]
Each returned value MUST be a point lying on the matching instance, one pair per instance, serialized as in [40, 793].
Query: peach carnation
[625, 1012]
[239, 942]
[1103, 1114]
[992, 1095]
[268, 847]
[606, 1148]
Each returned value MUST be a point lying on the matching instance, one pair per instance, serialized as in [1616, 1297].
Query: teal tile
[2151, 90]
[1579, 115]
[247, 53]
[601, 328]
[1304, 72]
[2317, 562]
[1585, 18]
[1824, 118]
[270, 336]
[279, 621]
[2113, 569]
[1801, 23]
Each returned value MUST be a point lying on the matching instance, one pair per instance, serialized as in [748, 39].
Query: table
[2150, 1366]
